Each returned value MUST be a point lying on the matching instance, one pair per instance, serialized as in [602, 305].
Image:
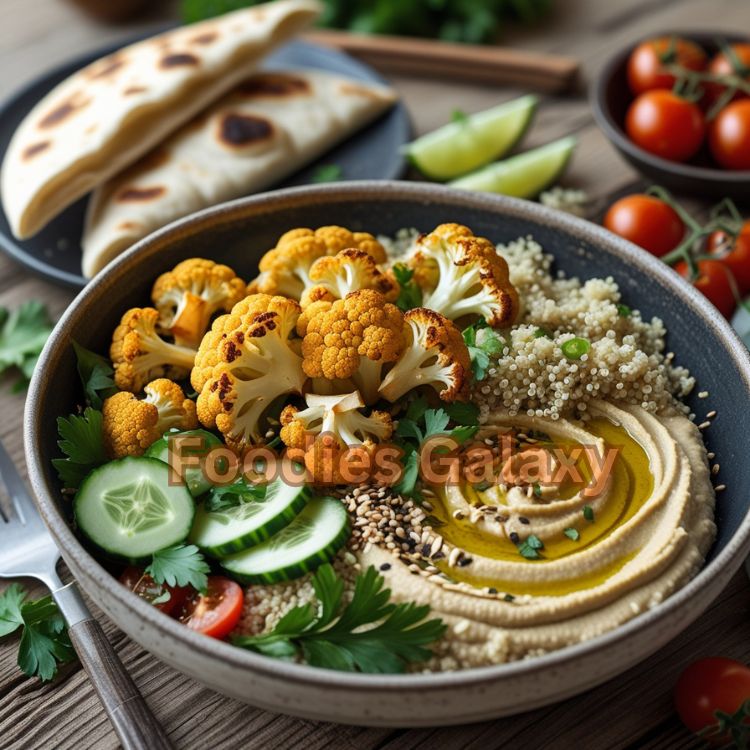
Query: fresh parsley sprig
[369, 634]
[181, 565]
[23, 333]
[227, 496]
[480, 352]
[82, 443]
[44, 638]
[96, 375]
[410, 293]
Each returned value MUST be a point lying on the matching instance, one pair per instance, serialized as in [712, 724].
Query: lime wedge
[462, 146]
[524, 175]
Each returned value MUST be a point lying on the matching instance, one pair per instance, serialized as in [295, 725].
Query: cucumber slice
[460, 147]
[234, 529]
[129, 509]
[524, 175]
[312, 539]
[194, 476]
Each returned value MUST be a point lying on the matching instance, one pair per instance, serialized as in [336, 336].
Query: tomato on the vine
[713, 282]
[666, 125]
[646, 70]
[729, 136]
[734, 254]
[721, 65]
[715, 685]
[647, 221]
[163, 597]
[217, 612]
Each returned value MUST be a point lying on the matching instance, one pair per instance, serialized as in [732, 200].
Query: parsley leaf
[410, 293]
[181, 565]
[458, 115]
[82, 443]
[233, 495]
[435, 422]
[44, 638]
[572, 533]
[23, 333]
[480, 352]
[96, 374]
[409, 475]
[463, 413]
[328, 173]
[588, 512]
[369, 634]
[530, 547]
[624, 311]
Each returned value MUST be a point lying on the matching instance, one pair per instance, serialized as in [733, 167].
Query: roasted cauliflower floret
[327, 428]
[352, 338]
[130, 425]
[463, 276]
[435, 355]
[333, 277]
[246, 361]
[188, 295]
[140, 355]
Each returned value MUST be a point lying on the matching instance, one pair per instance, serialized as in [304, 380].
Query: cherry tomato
[144, 586]
[646, 221]
[217, 612]
[708, 686]
[664, 124]
[646, 71]
[734, 255]
[721, 65]
[713, 282]
[729, 136]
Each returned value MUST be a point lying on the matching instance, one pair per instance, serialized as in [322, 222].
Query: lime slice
[524, 175]
[460, 147]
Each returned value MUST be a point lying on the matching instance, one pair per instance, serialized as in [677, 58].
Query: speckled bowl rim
[613, 130]
[730, 557]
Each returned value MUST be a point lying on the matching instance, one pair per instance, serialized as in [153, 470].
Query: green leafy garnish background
[23, 333]
[82, 442]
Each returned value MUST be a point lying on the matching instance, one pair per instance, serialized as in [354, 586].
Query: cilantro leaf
[463, 413]
[480, 352]
[410, 293]
[181, 565]
[416, 408]
[44, 639]
[369, 634]
[572, 533]
[409, 475]
[233, 495]
[529, 548]
[23, 333]
[588, 513]
[463, 433]
[435, 422]
[328, 173]
[96, 374]
[83, 445]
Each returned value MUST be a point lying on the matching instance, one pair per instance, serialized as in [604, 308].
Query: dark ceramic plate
[610, 97]
[373, 153]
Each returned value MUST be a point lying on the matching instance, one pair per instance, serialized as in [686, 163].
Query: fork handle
[135, 725]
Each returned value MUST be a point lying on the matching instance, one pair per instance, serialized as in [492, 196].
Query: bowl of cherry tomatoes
[677, 107]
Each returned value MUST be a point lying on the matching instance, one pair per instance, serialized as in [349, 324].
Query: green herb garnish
[542, 333]
[83, 445]
[588, 513]
[529, 548]
[23, 333]
[575, 348]
[572, 534]
[367, 635]
[410, 293]
[509, 598]
[624, 311]
[327, 173]
[233, 495]
[537, 490]
[96, 374]
[44, 638]
[491, 345]
[181, 565]
[459, 116]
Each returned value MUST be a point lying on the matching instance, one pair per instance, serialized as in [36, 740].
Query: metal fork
[28, 550]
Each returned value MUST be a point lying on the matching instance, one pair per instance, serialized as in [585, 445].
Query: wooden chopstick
[480, 64]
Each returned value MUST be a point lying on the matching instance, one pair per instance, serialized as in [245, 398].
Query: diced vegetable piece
[129, 509]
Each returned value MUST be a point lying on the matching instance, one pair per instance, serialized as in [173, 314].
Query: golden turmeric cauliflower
[130, 425]
[188, 295]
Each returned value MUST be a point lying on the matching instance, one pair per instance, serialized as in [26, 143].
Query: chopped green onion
[576, 348]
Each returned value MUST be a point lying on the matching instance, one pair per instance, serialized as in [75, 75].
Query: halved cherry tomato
[646, 221]
[144, 586]
[664, 124]
[217, 612]
[735, 255]
[721, 65]
[729, 136]
[713, 282]
[711, 685]
[646, 71]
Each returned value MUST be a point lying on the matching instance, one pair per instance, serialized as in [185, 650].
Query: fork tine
[19, 495]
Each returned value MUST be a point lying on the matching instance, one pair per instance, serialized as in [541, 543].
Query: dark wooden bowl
[610, 97]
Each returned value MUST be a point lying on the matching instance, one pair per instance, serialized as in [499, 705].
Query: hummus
[604, 558]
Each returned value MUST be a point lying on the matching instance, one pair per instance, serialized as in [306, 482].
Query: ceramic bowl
[238, 233]
[610, 98]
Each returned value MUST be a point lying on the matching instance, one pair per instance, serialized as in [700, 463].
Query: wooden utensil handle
[132, 719]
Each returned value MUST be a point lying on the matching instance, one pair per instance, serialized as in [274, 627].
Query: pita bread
[266, 129]
[109, 114]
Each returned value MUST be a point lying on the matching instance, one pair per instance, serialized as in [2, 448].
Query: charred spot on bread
[206, 38]
[35, 148]
[64, 110]
[136, 194]
[177, 59]
[240, 130]
[106, 67]
[274, 85]
[130, 90]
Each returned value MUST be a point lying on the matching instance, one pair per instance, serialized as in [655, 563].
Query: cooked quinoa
[627, 360]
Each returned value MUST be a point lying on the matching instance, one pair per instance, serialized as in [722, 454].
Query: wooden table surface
[632, 711]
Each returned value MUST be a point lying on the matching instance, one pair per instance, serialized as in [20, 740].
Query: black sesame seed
[464, 561]
[438, 555]
[509, 597]
[514, 537]
[492, 591]
[385, 566]
[427, 550]
[523, 519]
